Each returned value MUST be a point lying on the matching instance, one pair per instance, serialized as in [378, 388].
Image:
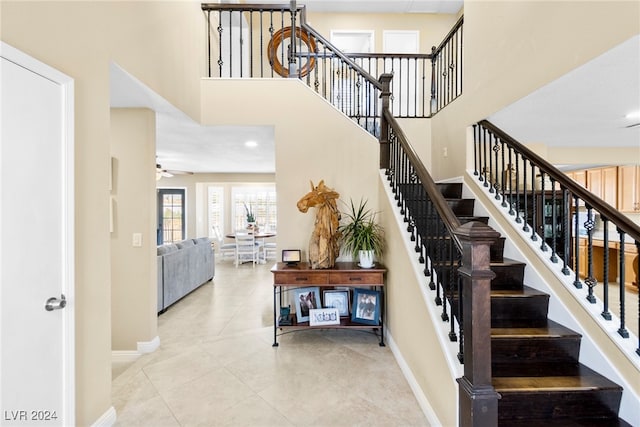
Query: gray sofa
[183, 267]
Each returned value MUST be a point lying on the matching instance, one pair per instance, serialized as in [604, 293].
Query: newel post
[478, 400]
[385, 145]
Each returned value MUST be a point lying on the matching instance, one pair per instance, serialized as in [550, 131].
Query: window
[215, 209]
[171, 214]
[262, 202]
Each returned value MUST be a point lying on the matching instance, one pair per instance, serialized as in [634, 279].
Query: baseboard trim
[118, 356]
[107, 419]
[426, 407]
[145, 347]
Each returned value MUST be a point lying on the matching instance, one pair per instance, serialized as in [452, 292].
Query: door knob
[54, 303]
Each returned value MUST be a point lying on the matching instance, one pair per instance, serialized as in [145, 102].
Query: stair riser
[448, 190]
[534, 308]
[562, 404]
[533, 350]
[508, 277]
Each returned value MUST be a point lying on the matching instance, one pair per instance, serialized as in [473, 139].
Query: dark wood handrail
[449, 219]
[342, 56]
[248, 7]
[387, 55]
[445, 40]
[622, 222]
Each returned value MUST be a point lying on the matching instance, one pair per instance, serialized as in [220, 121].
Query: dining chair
[246, 248]
[269, 250]
[225, 250]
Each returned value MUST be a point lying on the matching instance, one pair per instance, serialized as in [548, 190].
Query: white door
[36, 243]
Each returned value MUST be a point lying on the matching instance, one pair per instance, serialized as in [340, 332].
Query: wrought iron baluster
[509, 178]
[534, 204]
[494, 174]
[590, 281]
[485, 132]
[518, 218]
[576, 232]
[475, 150]
[624, 333]
[565, 231]
[434, 255]
[525, 219]
[441, 270]
[452, 290]
[605, 281]
[501, 176]
[554, 222]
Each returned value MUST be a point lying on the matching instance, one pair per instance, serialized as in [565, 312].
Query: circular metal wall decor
[274, 51]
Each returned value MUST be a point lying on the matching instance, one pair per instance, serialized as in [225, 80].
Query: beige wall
[133, 269]
[408, 322]
[312, 143]
[513, 48]
[158, 42]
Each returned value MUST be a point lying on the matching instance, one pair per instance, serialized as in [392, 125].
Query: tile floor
[216, 366]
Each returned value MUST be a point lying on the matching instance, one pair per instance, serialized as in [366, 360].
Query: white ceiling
[586, 107]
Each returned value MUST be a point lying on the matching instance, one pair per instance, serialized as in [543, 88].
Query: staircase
[535, 364]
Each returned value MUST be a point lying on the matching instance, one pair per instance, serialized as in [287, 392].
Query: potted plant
[251, 219]
[361, 235]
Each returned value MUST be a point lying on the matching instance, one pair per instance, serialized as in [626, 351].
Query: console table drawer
[355, 279]
[301, 278]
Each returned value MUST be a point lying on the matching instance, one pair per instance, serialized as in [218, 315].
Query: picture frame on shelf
[366, 306]
[337, 298]
[324, 316]
[306, 299]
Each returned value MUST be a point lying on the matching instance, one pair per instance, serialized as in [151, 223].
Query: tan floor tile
[153, 412]
[216, 366]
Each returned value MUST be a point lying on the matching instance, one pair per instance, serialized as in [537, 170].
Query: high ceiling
[586, 107]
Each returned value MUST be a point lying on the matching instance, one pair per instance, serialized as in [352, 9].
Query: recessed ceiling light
[633, 115]
[251, 144]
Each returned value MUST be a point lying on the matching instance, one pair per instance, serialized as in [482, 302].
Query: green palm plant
[361, 232]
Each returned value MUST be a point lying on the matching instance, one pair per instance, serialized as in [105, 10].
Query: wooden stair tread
[516, 293]
[551, 329]
[584, 379]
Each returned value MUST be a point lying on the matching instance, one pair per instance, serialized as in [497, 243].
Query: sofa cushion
[185, 244]
[202, 240]
[165, 249]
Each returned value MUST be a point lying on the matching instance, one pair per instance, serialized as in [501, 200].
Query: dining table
[260, 235]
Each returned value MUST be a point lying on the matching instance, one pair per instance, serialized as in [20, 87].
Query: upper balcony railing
[257, 41]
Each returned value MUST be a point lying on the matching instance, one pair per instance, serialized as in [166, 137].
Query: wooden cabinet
[629, 189]
[344, 275]
[579, 176]
[603, 182]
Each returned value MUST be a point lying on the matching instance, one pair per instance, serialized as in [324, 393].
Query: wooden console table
[344, 274]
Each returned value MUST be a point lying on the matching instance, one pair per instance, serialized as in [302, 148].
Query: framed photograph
[337, 298]
[324, 316]
[306, 299]
[366, 306]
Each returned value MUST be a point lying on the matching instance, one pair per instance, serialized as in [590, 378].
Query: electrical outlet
[445, 152]
[137, 240]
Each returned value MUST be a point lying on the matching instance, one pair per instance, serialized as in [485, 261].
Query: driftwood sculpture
[323, 245]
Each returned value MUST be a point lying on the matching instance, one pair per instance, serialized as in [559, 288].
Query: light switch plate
[137, 240]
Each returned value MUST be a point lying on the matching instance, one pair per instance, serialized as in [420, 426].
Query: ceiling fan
[168, 173]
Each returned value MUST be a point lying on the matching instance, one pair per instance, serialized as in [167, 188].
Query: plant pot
[366, 259]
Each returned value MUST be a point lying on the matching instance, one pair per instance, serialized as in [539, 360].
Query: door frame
[67, 246]
[160, 192]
